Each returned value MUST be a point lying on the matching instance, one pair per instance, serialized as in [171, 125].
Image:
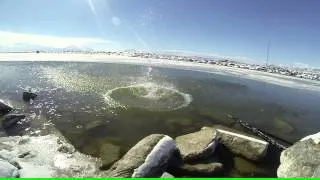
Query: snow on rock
[40, 157]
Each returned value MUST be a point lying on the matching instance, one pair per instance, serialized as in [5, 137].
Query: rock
[242, 144]
[301, 159]
[66, 148]
[11, 119]
[39, 157]
[4, 109]
[8, 170]
[197, 145]
[109, 153]
[167, 175]
[281, 125]
[27, 96]
[148, 158]
[201, 170]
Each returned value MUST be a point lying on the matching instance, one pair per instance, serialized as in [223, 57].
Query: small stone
[27, 154]
[66, 148]
[27, 96]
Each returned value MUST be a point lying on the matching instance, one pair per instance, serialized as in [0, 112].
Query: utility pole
[268, 54]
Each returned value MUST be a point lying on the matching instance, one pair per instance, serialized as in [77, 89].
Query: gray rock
[4, 109]
[27, 96]
[12, 119]
[109, 153]
[242, 144]
[8, 170]
[301, 159]
[148, 158]
[197, 145]
[167, 175]
[201, 170]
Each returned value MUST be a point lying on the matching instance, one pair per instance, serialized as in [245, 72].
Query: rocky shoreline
[210, 152]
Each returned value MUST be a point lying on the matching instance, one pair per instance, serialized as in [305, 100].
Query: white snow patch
[243, 136]
[314, 137]
[44, 159]
[164, 147]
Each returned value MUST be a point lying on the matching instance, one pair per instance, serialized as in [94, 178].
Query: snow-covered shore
[277, 79]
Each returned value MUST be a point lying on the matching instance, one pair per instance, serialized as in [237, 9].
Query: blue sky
[237, 28]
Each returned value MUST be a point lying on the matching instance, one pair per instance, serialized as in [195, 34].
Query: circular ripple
[147, 96]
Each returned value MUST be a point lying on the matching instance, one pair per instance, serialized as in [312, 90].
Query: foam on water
[147, 96]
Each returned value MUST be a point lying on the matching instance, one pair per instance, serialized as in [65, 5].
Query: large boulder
[11, 120]
[301, 159]
[4, 109]
[148, 158]
[242, 144]
[7, 170]
[197, 145]
[47, 156]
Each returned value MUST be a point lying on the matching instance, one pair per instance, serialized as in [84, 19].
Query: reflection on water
[85, 102]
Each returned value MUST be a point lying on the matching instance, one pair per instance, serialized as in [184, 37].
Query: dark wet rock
[27, 154]
[302, 159]
[201, 170]
[167, 175]
[281, 125]
[27, 96]
[7, 170]
[66, 148]
[148, 158]
[242, 144]
[197, 145]
[109, 153]
[4, 109]
[12, 119]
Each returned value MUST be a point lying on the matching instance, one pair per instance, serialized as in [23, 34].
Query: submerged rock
[197, 145]
[242, 144]
[27, 96]
[12, 119]
[7, 170]
[4, 109]
[281, 125]
[302, 159]
[201, 170]
[39, 157]
[109, 153]
[148, 158]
